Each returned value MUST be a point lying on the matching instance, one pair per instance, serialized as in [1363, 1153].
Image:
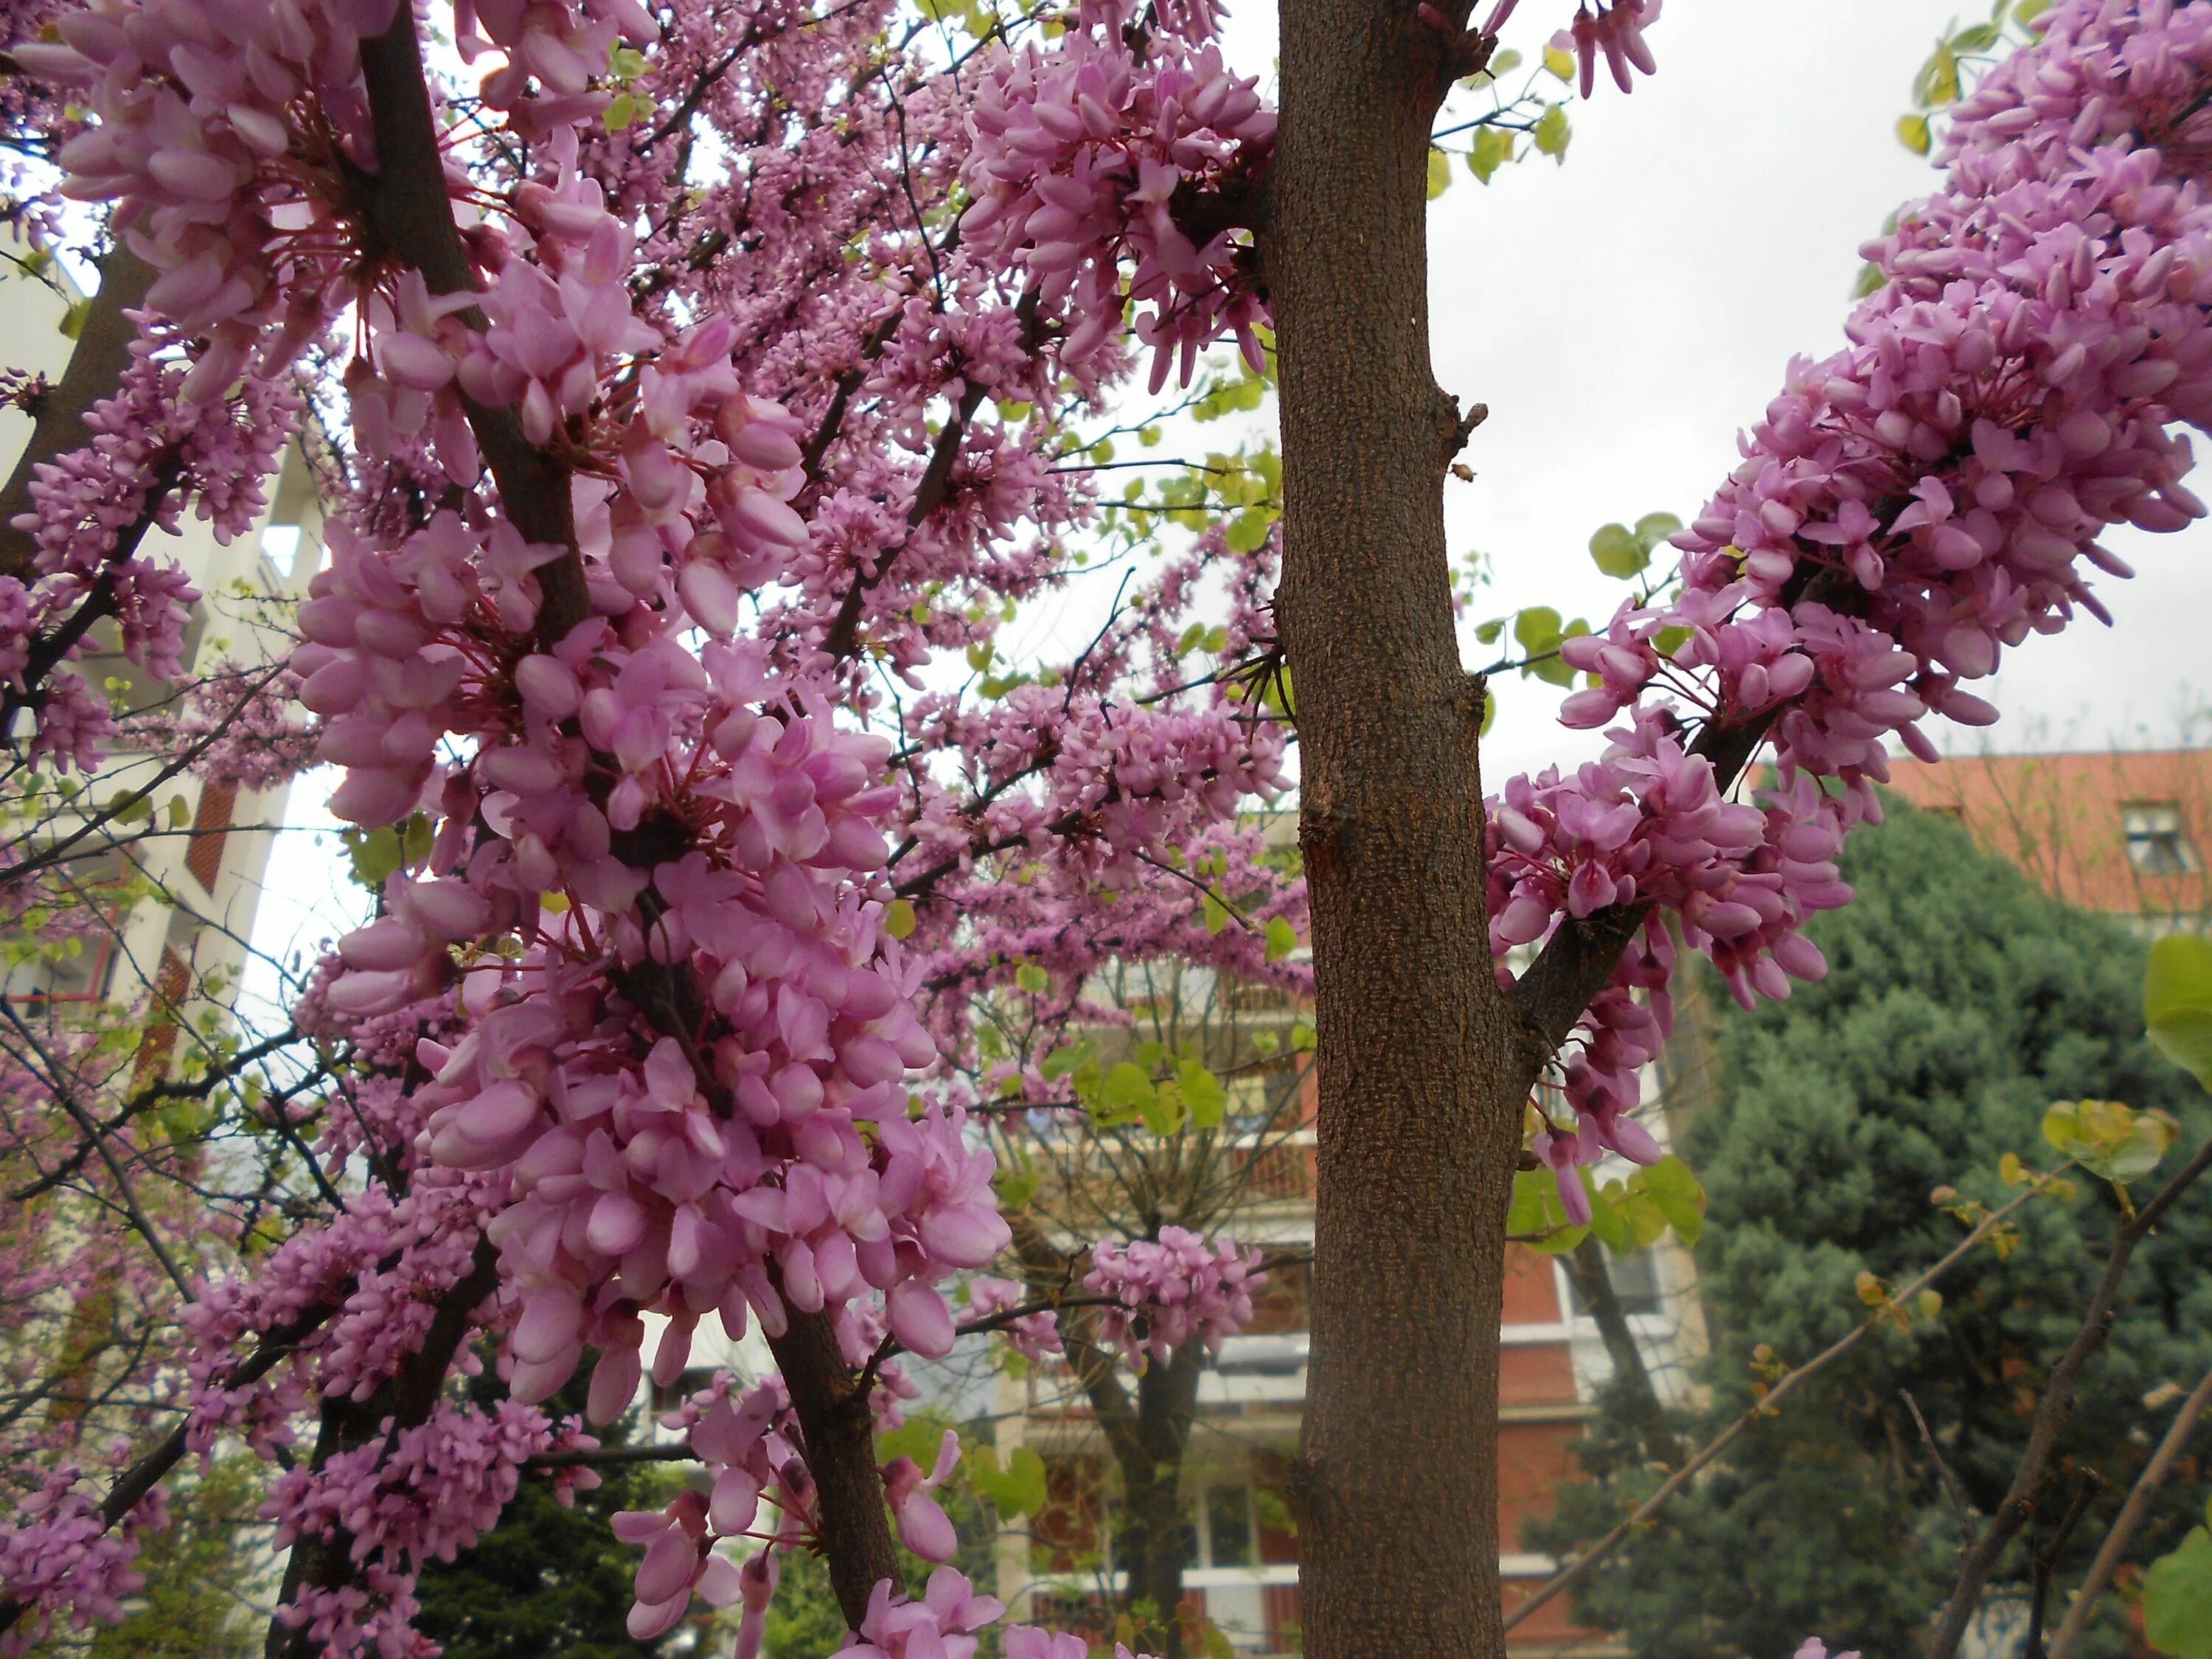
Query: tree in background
[1960, 1003]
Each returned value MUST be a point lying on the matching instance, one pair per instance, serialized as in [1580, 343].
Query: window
[280, 546]
[1635, 1283]
[2156, 844]
[1228, 1526]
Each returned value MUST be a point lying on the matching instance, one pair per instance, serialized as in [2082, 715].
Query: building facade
[2122, 832]
[183, 935]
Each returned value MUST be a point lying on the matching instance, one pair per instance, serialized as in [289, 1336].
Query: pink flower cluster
[1908, 509]
[1614, 31]
[1100, 152]
[1167, 1291]
[751, 1448]
[941, 1625]
[409, 1496]
[1033, 1335]
[56, 1550]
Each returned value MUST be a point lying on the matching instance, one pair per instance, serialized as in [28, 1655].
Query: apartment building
[2123, 831]
[183, 936]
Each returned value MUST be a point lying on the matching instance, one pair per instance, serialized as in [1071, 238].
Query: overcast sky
[1625, 313]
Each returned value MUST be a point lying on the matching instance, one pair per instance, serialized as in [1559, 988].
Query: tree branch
[1579, 1568]
[2130, 1520]
[95, 369]
[2050, 1414]
[132, 1485]
[410, 218]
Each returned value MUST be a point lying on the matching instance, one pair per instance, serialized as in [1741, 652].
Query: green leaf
[73, 320]
[2178, 1002]
[1304, 1037]
[1559, 62]
[1653, 528]
[1490, 632]
[1127, 1088]
[1668, 641]
[1217, 915]
[1679, 1194]
[898, 918]
[2028, 10]
[621, 112]
[1439, 173]
[1032, 979]
[1606, 1221]
[1555, 671]
[1552, 134]
[1619, 552]
[1282, 938]
[2178, 1599]
[1912, 133]
[1061, 1062]
[1536, 628]
[1980, 38]
[1538, 1215]
[1164, 1113]
[917, 1440]
[1491, 151]
[1203, 1093]
[180, 814]
[1247, 531]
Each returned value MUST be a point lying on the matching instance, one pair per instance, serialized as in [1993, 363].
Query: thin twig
[2130, 1520]
[2050, 1414]
[1579, 1568]
[1952, 1489]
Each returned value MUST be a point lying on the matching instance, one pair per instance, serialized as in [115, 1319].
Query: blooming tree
[712, 376]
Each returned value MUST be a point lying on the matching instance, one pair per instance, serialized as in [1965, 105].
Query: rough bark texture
[841, 1456]
[95, 370]
[1422, 1068]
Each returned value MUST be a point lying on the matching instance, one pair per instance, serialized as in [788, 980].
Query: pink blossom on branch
[1908, 509]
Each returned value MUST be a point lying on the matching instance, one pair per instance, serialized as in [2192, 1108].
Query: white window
[2157, 845]
[280, 546]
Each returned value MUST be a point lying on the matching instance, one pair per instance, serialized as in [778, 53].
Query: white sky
[1624, 315]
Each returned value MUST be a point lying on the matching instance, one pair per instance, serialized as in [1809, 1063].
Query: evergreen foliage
[1961, 1003]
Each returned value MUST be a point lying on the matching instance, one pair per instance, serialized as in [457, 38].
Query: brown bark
[841, 1456]
[95, 370]
[1423, 1070]
[408, 218]
[1154, 1540]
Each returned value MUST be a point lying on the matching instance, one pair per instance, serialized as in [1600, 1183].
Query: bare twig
[2050, 1414]
[1579, 1568]
[1952, 1489]
[2130, 1520]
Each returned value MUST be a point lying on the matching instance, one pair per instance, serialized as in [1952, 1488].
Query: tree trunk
[1421, 1067]
[95, 371]
[1155, 1540]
